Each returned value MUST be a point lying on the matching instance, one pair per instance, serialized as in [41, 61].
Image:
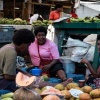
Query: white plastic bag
[90, 53]
[76, 43]
[80, 51]
[51, 34]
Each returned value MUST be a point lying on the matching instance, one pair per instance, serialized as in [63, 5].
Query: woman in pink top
[44, 54]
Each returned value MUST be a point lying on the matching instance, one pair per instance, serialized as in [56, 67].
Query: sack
[76, 43]
[80, 50]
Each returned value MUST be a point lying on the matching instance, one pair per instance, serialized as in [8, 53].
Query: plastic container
[6, 33]
[68, 65]
[36, 71]
[81, 83]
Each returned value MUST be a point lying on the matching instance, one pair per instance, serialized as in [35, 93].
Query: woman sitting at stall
[93, 79]
[44, 54]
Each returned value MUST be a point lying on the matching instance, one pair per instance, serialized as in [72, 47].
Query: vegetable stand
[65, 29]
[7, 31]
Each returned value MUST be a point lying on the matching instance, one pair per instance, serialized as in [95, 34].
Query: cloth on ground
[20, 62]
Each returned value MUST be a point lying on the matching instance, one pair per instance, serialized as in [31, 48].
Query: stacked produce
[42, 23]
[85, 20]
[59, 90]
[16, 21]
[29, 91]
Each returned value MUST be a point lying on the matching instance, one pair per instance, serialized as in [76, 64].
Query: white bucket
[68, 65]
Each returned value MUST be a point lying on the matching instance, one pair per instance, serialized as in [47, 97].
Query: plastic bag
[76, 43]
[90, 53]
[51, 34]
[80, 51]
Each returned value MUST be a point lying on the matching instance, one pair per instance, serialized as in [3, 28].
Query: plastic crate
[6, 33]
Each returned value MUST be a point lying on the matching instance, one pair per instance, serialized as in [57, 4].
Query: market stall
[77, 28]
[29, 83]
[7, 31]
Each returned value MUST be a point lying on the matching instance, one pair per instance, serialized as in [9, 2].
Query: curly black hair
[98, 37]
[23, 36]
[40, 29]
[58, 5]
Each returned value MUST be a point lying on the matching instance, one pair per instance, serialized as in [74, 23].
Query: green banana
[7, 99]
[7, 95]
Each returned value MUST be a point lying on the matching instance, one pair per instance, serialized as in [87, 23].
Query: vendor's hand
[84, 61]
[45, 68]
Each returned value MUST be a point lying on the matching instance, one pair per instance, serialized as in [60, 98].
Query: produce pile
[16, 21]
[86, 19]
[29, 90]
[59, 92]
[42, 23]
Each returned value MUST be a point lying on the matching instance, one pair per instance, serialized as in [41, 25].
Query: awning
[91, 5]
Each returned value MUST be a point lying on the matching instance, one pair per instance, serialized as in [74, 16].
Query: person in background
[1, 15]
[98, 16]
[35, 17]
[10, 15]
[46, 55]
[8, 54]
[57, 12]
[94, 76]
[73, 14]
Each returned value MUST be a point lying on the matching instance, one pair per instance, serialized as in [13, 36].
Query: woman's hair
[98, 37]
[40, 29]
[58, 6]
[23, 36]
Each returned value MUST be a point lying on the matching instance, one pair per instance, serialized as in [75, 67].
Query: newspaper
[63, 18]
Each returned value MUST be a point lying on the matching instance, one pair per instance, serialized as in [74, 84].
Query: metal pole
[14, 9]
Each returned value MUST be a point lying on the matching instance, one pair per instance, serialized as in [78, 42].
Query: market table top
[79, 27]
[17, 27]
[76, 25]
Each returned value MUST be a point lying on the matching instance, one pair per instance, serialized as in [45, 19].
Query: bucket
[68, 65]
